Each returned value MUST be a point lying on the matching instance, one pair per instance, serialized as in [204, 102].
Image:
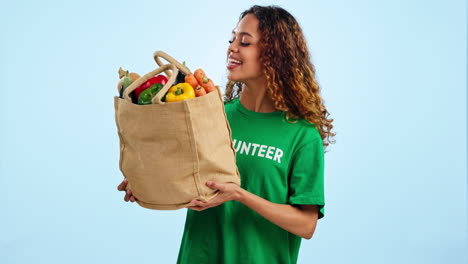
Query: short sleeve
[306, 179]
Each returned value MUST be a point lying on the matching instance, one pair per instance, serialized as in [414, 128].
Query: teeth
[234, 61]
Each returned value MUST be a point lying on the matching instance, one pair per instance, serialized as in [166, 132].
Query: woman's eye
[243, 44]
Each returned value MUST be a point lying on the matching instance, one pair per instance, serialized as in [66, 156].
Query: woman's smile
[233, 62]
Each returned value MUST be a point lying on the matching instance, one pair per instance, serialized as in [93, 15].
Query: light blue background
[393, 75]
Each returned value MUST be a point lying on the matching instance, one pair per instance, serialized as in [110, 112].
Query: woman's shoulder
[307, 130]
[302, 123]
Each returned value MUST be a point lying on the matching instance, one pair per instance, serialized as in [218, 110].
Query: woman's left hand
[227, 192]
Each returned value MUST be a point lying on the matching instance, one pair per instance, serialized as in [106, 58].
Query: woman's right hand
[128, 193]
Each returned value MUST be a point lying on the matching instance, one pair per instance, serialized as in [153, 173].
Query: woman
[279, 129]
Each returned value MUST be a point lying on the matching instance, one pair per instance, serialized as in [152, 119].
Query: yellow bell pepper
[180, 92]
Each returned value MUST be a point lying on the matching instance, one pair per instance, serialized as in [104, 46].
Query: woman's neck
[255, 98]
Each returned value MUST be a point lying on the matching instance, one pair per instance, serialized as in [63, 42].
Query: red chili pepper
[156, 79]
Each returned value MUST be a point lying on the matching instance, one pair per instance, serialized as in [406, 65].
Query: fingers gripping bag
[169, 150]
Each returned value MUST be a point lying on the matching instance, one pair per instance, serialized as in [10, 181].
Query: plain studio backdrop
[393, 75]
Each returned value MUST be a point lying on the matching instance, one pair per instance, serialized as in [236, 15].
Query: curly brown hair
[289, 72]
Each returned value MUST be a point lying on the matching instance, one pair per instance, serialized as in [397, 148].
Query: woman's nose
[233, 47]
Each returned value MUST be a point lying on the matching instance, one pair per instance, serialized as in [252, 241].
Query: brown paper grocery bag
[169, 150]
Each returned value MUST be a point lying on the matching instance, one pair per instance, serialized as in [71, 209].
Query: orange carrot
[199, 75]
[209, 86]
[199, 91]
[190, 78]
[204, 81]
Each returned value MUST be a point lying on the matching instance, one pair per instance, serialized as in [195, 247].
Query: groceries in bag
[197, 83]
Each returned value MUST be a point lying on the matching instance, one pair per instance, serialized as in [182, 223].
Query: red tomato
[156, 79]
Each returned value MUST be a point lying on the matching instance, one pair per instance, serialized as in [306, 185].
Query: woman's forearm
[293, 219]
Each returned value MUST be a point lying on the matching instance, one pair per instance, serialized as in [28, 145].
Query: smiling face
[243, 61]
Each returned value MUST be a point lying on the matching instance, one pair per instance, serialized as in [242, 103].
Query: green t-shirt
[277, 160]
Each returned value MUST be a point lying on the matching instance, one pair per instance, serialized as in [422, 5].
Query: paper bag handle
[144, 78]
[161, 54]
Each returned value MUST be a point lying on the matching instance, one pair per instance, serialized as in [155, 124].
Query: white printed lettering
[278, 155]
[261, 151]
[245, 148]
[269, 152]
[264, 151]
[239, 143]
[255, 148]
